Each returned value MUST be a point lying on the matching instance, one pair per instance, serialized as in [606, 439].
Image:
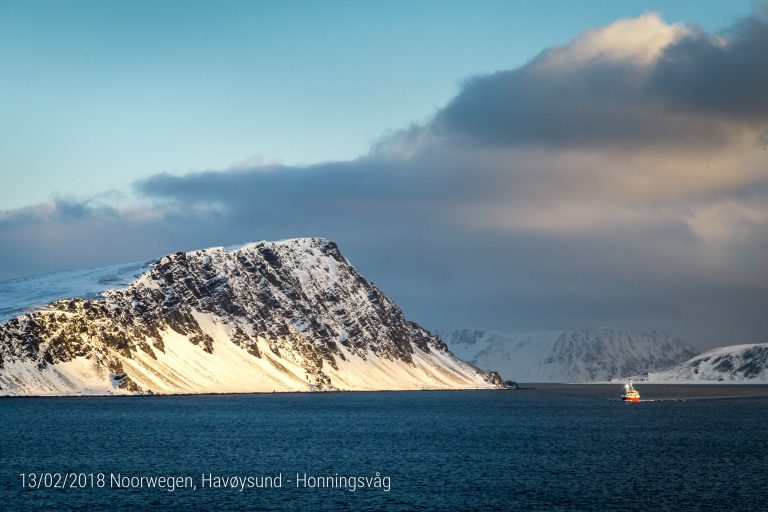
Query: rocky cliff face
[734, 364]
[290, 315]
[579, 355]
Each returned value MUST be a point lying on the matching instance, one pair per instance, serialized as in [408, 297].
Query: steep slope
[734, 364]
[281, 316]
[581, 355]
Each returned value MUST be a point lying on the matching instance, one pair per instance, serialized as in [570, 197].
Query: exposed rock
[296, 308]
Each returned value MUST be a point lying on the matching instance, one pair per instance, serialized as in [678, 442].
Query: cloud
[596, 185]
[631, 84]
[723, 78]
[635, 41]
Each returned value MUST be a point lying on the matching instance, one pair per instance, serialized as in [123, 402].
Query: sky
[99, 94]
[487, 164]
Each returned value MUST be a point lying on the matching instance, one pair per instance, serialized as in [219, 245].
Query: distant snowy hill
[24, 294]
[268, 316]
[582, 355]
[734, 364]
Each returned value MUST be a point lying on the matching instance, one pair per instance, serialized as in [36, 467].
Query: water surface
[547, 447]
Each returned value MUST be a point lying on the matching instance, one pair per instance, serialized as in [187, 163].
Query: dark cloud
[701, 74]
[700, 91]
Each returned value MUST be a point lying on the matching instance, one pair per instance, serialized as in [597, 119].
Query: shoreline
[226, 393]
[523, 387]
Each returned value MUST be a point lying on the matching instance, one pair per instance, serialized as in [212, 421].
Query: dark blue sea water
[542, 448]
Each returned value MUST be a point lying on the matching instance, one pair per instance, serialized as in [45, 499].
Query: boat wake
[691, 398]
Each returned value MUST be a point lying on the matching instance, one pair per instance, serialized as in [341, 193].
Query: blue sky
[99, 94]
[518, 165]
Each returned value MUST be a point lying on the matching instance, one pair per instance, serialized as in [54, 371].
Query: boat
[630, 393]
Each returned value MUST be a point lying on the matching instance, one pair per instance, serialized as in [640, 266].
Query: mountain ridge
[738, 364]
[290, 315]
[576, 355]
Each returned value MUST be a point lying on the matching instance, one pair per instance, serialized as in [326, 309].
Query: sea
[543, 447]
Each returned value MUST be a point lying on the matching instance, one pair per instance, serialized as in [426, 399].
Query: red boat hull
[630, 399]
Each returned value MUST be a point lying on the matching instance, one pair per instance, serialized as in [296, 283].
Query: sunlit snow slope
[269, 316]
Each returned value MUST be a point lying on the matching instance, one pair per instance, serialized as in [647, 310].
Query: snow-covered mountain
[268, 316]
[734, 364]
[582, 355]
